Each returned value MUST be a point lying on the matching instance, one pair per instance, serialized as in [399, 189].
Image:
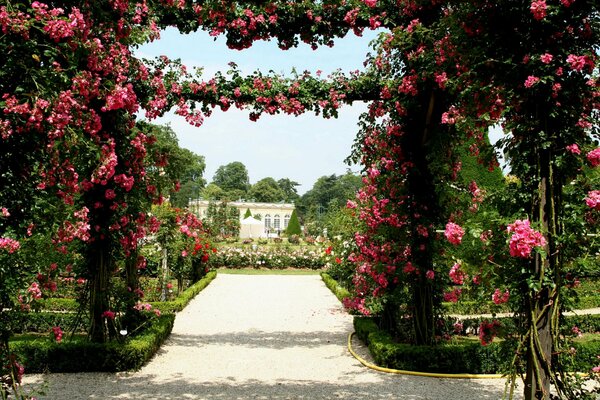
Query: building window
[276, 222]
[286, 221]
[268, 221]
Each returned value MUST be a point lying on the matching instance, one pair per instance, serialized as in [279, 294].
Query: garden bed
[464, 354]
[38, 352]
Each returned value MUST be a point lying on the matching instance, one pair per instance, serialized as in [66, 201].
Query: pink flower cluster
[594, 157]
[524, 239]
[58, 333]
[500, 298]
[457, 275]
[573, 148]
[9, 244]
[34, 290]
[453, 295]
[538, 9]
[454, 233]
[592, 200]
[531, 80]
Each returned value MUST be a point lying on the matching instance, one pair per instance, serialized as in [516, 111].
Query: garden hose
[415, 373]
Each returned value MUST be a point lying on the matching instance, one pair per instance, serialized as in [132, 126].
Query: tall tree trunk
[99, 260]
[425, 203]
[543, 304]
[165, 273]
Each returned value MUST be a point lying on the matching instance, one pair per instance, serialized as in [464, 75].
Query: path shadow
[150, 387]
[260, 339]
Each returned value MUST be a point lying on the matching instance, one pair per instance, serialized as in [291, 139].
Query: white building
[275, 216]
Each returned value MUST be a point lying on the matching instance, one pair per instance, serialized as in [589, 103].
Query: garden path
[261, 337]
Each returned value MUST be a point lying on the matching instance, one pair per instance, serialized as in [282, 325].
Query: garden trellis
[440, 76]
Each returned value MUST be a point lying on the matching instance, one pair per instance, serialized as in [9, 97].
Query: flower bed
[262, 257]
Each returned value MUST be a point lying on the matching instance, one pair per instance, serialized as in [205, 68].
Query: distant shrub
[294, 239]
[293, 227]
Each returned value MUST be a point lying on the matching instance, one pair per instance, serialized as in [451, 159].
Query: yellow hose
[414, 373]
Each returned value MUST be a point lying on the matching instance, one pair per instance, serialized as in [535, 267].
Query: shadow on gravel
[108, 386]
[260, 339]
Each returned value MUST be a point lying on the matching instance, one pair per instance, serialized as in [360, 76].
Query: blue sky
[299, 148]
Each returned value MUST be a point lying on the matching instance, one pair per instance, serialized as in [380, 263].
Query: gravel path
[260, 337]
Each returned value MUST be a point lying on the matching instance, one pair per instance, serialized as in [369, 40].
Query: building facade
[275, 216]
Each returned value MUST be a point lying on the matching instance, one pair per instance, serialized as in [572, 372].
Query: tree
[232, 178]
[175, 164]
[290, 193]
[293, 227]
[328, 192]
[212, 192]
[266, 191]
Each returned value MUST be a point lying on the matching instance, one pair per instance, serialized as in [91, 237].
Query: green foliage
[266, 191]
[328, 193]
[222, 219]
[183, 166]
[455, 357]
[40, 354]
[212, 192]
[293, 227]
[340, 292]
[186, 296]
[233, 179]
[290, 193]
[58, 304]
[248, 214]
[42, 322]
[469, 356]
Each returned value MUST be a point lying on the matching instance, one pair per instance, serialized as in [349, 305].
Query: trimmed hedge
[461, 357]
[186, 296]
[44, 321]
[340, 292]
[466, 356]
[43, 355]
[59, 304]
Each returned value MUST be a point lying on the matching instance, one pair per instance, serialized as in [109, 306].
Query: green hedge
[467, 356]
[43, 355]
[186, 296]
[59, 304]
[44, 321]
[340, 292]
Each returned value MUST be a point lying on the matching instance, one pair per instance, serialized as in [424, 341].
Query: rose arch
[439, 77]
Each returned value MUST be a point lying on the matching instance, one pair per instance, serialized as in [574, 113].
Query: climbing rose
[576, 62]
[524, 239]
[538, 9]
[500, 298]
[593, 199]
[454, 233]
[58, 333]
[452, 296]
[546, 58]
[594, 157]
[573, 148]
[430, 274]
[488, 331]
[531, 80]
[457, 275]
